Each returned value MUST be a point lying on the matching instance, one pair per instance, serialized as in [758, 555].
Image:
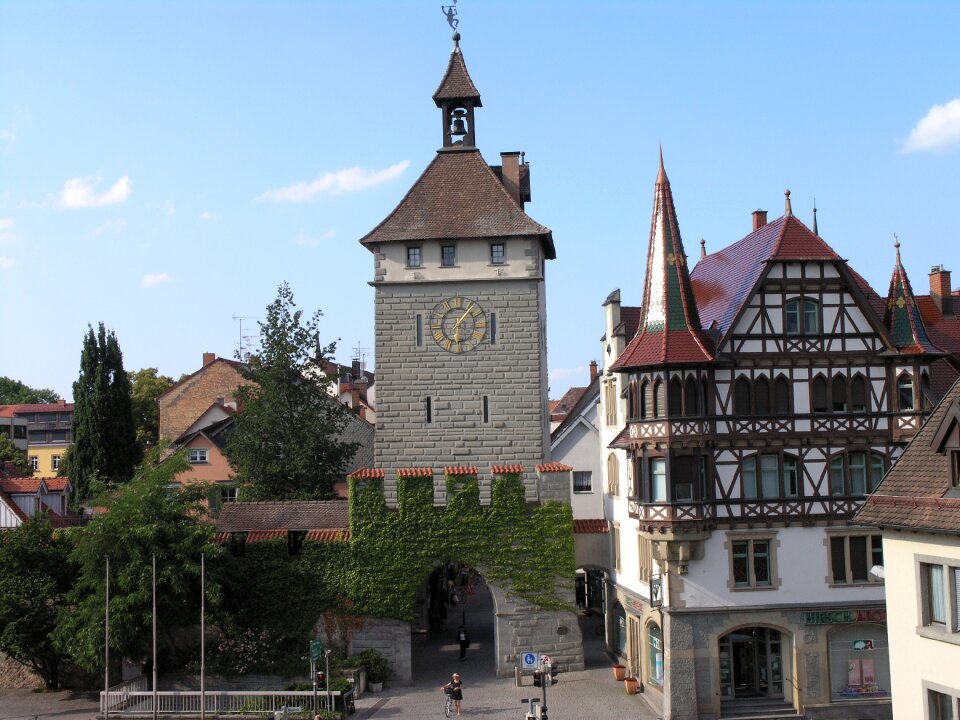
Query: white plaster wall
[473, 260]
[803, 565]
[913, 658]
[580, 448]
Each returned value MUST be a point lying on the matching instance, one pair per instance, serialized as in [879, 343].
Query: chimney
[208, 358]
[759, 219]
[510, 174]
[940, 290]
[593, 370]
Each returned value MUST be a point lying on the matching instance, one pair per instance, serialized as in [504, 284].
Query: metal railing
[128, 702]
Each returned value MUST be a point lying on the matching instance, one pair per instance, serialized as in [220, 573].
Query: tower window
[419, 330]
[428, 409]
[414, 258]
[486, 409]
[493, 328]
[498, 255]
[448, 255]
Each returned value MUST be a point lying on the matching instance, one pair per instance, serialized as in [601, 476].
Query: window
[493, 328]
[761, 396]
[419, 330]
[582, 481]
[939, 588]
[486, 409]
[58, 436]
[658, 480]
[905, 392]
[20, 432]
[691, 405]
[448, 255]
[228, 494]
[644, 558]
[38, 436]
[295, 540]
[852, 556]
[675, 398]
[741, 396]
[658, 400]
[497, 254]
[413, 256]
[610, 402]
[633, 401]
[934, 594]
[858, 394]
[615, 539]
[428, 409]
[645, 403]
[855, 473]
[55, 463]
[955, 468]
[839, 394]
[801, 317]
[819, 394]
[613, 475]
[655, 654]
[34, 463]
[941, 706]
[752, 561]
[859, 661]
[681, 468]
[781, 396]
[197, 455]
[761, 476]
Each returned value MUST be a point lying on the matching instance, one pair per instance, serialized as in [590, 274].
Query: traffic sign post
[529, 660]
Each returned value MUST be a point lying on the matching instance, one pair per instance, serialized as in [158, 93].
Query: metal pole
[546, 679]
[313, 674]
[203, 654]
[154, 637]
[327, 678]
[106, 648]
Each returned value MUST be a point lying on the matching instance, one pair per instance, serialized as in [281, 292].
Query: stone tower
[460, 309]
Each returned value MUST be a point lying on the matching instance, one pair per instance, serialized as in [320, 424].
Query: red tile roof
[944, 332]
[454, 470]
[36, 408]
[456, 83]
[554, 467]
[590, 526]
[264, 535]
[414, 472]
[565, 404]
[506, 469]
[457, 196]
[367, 473]
[290, 515]
[32, 484]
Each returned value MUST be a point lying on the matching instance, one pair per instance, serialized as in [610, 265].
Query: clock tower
[461, 311]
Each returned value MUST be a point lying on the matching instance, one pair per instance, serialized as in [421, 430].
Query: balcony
[807, 509]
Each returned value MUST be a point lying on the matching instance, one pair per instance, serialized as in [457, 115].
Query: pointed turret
[669, 330]
[816, 230]
[902, 317]
[457, 96]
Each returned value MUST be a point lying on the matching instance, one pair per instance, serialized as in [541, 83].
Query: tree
[146, 387]
[287, 442]
[35, 579]
[144, 518]
[104, 439]
[14, 392]
[14, 455]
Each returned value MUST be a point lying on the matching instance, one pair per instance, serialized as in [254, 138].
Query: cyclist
[455, 689]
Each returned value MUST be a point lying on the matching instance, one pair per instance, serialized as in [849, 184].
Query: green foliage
[378, 668]
[14, 392]
[146, 386]
[12, 454]
[35, 577]
[287, 441]
[144, 517]
[104, 439]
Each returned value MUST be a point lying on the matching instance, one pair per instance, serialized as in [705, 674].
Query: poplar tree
[105, 444]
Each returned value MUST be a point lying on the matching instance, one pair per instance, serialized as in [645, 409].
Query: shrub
[378, 668]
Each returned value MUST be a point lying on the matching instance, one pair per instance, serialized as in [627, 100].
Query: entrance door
[751, 663]
[634, 660]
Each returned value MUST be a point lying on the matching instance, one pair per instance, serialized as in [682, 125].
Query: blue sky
[165, 165]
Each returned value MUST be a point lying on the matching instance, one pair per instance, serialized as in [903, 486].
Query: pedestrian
[455, 687]
[463, 637]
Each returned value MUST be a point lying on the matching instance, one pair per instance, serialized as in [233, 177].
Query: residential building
[208, 393]
[758, 402]
[22, 498]
[13, 427]
[917, 508]
[49, 433]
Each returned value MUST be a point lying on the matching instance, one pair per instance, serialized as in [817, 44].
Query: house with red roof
[48, 432]
[23, 497]
[749, 406]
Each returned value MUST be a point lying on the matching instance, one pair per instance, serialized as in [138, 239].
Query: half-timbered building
[756, 403]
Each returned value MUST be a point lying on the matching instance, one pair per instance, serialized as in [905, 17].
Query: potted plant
[619, 672]
[631, 684]
[378, 669]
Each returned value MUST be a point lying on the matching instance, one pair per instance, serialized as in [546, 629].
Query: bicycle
[448, 703]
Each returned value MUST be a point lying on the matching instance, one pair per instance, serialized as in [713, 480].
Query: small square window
[20, 432]
[413, 256]
[34, 463]
[448, 255]
[228, 494]
[582, 481]
[197, 456]
[55, 463]
[498, 255]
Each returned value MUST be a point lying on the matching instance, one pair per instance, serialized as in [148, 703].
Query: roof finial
[815, 231]
[451, 13]
[896, 244]
[788, 211]
[662, 175]
[703, 248]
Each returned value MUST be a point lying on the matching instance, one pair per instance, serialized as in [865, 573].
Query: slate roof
[287, 515]
[456, 83]
[458, 196]
[911, 494]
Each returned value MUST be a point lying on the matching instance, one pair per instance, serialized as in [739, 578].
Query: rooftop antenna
[243, 345]
[360, 355]
[451, 12]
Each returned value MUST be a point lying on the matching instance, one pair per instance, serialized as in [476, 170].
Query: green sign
[863, 644]
[316, 650]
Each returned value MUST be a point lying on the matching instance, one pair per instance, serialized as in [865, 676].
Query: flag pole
[106, 648]
[203, 608]
[154, 637]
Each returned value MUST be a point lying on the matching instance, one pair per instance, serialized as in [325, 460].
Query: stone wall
[14, 676]
[391, 638]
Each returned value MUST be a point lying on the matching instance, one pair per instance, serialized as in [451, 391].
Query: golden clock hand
[463, 317]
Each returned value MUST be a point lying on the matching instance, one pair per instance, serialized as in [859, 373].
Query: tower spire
[457, 97]
[902, 317]
[815, 231]
[788, 208]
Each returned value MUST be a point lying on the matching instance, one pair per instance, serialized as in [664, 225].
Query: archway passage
[751, 664]
[442, 608]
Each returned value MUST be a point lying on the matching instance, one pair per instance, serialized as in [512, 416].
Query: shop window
[752, 562]
[613, 475]
[859, 659]
[654, 655]
[620, 631]
[658, 480]
[852, 556]
[905, 392]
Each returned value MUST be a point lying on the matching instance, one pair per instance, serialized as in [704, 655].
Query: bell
[459, 128]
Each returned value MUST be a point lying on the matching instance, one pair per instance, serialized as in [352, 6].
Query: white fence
[129, 702]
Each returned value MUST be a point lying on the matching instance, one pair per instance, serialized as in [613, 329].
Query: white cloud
[558, 375]
[150, 281]
[206, 216]
[308, 241]
[169, 208]
[343, 181]
[79, 192]
[6, 236]
[6, 223]
[110, 226]
[6, 262]
[937, 130]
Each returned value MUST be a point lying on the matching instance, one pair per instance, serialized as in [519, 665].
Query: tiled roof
[554, 467]
[458, 196]
[569, 400]
[630, 319]
[263, 535]
[32, 484]
[944, 332]
[367, 473]
[235, 363]
[289, 515]
[454, 470]
[36, 408]
[590, 394]
[622, 440]
[415, 472]
[590, 526]
[506, 469]
[456, 83]
[911, 493]
[902, 317]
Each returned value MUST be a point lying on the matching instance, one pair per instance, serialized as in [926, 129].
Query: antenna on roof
[360, 355]
[244, 344]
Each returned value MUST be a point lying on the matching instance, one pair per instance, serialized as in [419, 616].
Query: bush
[378, 668]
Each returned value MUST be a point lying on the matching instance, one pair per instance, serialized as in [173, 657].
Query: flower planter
[375, 686]
[631, 685]
[619, 672]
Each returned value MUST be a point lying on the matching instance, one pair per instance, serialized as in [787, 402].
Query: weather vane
[451, 12]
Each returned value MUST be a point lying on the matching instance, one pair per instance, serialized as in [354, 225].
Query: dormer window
[905, 392]
[801, 317]
[954, 468]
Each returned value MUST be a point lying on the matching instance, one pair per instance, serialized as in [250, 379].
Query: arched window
[654, 654]
[645, 400]
[658, 400]
[704, 397]
[675, 398]
[838, 394]
[801, 316]
[781, 396]
[858, 394]
[819, 394]
[905, 392]
[741, 396]
[691, 406]
[613, 475]
[761, 396]
[632, 400]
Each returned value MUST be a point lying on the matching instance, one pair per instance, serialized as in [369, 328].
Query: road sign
[863, 644]
[316, 650]
[529, 660]
[545, 660]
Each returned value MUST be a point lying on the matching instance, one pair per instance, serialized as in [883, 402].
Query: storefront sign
[831, 617]
[656, 590]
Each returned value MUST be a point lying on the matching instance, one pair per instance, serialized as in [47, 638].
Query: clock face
[458, 324]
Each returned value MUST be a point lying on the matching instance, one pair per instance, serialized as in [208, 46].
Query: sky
[164, 166]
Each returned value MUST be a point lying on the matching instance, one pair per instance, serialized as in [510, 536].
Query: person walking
[463, 637]
[455, 688]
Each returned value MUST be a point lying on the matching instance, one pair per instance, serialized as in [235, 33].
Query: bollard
[517, 676]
